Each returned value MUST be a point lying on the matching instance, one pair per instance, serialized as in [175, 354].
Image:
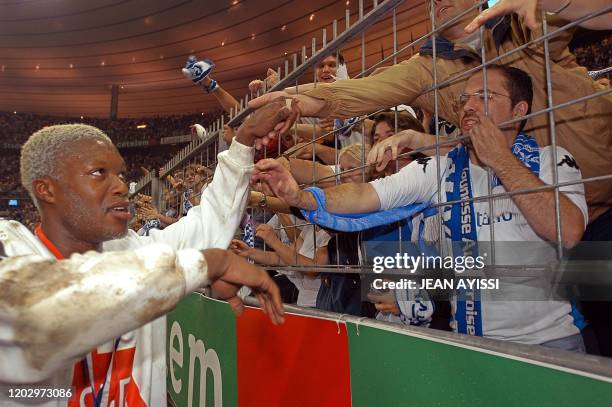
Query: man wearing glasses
[518, 163]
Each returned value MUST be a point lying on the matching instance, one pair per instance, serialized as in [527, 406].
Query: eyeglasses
[465, 97]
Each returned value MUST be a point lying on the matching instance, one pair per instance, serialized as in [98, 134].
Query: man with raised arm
[80, 299]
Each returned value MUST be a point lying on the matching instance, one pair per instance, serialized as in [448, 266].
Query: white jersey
[531, 322]
[88, 300]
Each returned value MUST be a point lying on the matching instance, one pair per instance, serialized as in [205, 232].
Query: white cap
[200, 131]
[342, 72]
[405, 108]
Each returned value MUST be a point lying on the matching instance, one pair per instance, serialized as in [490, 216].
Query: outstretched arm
[385, 151]
[46, 301]
[227, 101]
[213, 222]
[289, 254]
[345, 198]
[303, 170]
[400, 83]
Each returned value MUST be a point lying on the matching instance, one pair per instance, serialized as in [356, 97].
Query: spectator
[531, 216]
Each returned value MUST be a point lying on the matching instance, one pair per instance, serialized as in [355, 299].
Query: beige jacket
[584, 129]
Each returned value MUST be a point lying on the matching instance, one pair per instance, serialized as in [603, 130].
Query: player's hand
[267, 122]
[228, 272]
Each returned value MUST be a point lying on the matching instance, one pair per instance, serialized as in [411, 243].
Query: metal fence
[297, 70]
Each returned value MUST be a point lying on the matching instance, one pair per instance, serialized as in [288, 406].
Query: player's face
[500, 104]
[92, 196]
[326, 70]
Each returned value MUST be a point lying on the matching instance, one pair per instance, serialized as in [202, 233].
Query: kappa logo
[569, 161]
[423, 161]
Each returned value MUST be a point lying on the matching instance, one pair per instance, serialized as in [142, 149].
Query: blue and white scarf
[150, 224]
[460, 224]
[187, 205]
[249, 231]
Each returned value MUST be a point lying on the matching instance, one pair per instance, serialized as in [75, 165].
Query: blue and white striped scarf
[460, 224]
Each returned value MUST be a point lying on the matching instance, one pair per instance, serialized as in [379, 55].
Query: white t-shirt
[531, 322]
[308, 287]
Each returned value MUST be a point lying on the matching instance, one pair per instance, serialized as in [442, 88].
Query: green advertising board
[201, 355]
[370, 364]
[394, 369]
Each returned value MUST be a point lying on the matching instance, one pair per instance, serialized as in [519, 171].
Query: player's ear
[45, 189]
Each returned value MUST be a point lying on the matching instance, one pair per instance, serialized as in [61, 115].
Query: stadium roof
[60, 57]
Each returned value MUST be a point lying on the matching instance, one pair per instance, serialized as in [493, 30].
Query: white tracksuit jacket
[52, 313]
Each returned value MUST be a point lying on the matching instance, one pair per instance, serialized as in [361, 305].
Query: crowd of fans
[16, 127]
[24, 211]
[595, 56]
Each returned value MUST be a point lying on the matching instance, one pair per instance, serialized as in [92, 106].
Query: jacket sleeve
[53, 312]
[558, 45]
[212, 224]
[400, 83]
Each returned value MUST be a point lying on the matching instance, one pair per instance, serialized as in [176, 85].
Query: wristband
[213, 86]
[263, 201]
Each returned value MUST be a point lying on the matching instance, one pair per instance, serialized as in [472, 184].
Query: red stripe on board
[304, 362]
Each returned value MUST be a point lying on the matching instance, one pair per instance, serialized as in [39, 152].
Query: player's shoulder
[10, 228]
[16, 239]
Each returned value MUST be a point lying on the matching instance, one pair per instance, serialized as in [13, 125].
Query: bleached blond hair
[42, 154]
[355, 151]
